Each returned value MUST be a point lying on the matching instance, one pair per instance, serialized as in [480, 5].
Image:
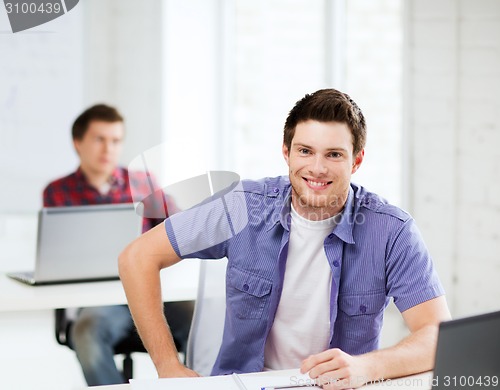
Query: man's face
[321, 163]
[100, 147]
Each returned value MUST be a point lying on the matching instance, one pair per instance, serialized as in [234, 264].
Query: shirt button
[245, 287]
[276, 190]
[362, 309]
[336, 263]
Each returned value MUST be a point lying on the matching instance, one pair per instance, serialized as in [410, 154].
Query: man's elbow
[126, 259]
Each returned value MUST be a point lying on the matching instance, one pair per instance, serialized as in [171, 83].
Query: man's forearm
[161, 347]
[141, 282]
[412, 355]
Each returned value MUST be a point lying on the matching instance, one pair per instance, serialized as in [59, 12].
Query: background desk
[32, 358]
[179, 283]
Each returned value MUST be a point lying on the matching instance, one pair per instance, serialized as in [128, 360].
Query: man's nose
[319, 165]
[109, 146]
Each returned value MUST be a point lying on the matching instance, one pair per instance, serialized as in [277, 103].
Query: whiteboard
[41, 93]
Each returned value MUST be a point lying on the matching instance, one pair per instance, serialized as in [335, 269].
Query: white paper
[254, 381]
[224, 382]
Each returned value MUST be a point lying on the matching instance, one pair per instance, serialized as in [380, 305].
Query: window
[245, 63]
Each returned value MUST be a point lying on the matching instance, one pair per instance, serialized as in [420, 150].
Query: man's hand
[335, 369]
[176, 371]
[415, 353]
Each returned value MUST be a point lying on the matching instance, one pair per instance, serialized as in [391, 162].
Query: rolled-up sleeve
[411, 276]
[203, 231]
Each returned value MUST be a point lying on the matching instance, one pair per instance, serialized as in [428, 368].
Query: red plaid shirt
[74, 190]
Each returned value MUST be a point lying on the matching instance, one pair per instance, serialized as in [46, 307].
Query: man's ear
[358, 160]
[286, 154]
[76, 145]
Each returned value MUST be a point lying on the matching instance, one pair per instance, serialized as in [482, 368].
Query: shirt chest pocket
[357, 305]
[360, 316]
[247, 294]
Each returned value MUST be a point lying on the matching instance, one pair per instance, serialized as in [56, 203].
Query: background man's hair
[327, 105]
[99, 112]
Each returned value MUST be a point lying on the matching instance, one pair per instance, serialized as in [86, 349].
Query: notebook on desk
[81, 243]
[468, 353]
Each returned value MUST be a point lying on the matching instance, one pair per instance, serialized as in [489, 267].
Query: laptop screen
[468, 353]
[83, 242]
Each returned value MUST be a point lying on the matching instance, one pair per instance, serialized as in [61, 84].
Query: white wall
[40, 93]
[122, 46]
[374, 65]
[452, 128]
[191, 83]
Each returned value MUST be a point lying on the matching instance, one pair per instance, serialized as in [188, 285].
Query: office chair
[132, 343]
[207, 326]
[179, 314]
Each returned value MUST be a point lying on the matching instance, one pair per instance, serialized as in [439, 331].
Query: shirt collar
[345, 224]
[285, 217]
[117, 178]
[79, 174]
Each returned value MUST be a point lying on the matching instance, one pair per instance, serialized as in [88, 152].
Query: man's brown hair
[327, 105]
[99, 112]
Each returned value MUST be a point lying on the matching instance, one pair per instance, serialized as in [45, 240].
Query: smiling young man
[313, 260]
[320, 172]
[98, 135]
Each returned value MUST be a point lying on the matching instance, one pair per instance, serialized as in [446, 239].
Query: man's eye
[303, 151]
[335, 154]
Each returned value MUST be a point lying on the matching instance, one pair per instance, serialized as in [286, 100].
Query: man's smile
[317, 184]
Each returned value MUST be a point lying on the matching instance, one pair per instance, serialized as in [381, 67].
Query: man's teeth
[317, 184]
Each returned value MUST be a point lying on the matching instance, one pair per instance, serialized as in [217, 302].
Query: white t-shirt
[302, 323]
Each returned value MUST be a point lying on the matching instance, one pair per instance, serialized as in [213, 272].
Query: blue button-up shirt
[375, 252]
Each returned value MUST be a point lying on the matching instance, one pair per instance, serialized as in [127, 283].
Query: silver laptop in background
[81, 243]
[468, 353]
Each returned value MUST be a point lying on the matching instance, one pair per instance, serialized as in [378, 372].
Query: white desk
[419, 381]
[179, 283]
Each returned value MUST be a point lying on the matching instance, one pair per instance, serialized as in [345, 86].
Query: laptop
[468, 353]
[81, 243]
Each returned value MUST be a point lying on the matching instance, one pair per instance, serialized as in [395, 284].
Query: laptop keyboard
[25, 277]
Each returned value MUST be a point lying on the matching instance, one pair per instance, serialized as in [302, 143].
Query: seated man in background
[97, 137]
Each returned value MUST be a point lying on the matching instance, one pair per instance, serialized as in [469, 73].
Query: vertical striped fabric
[375, 252]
